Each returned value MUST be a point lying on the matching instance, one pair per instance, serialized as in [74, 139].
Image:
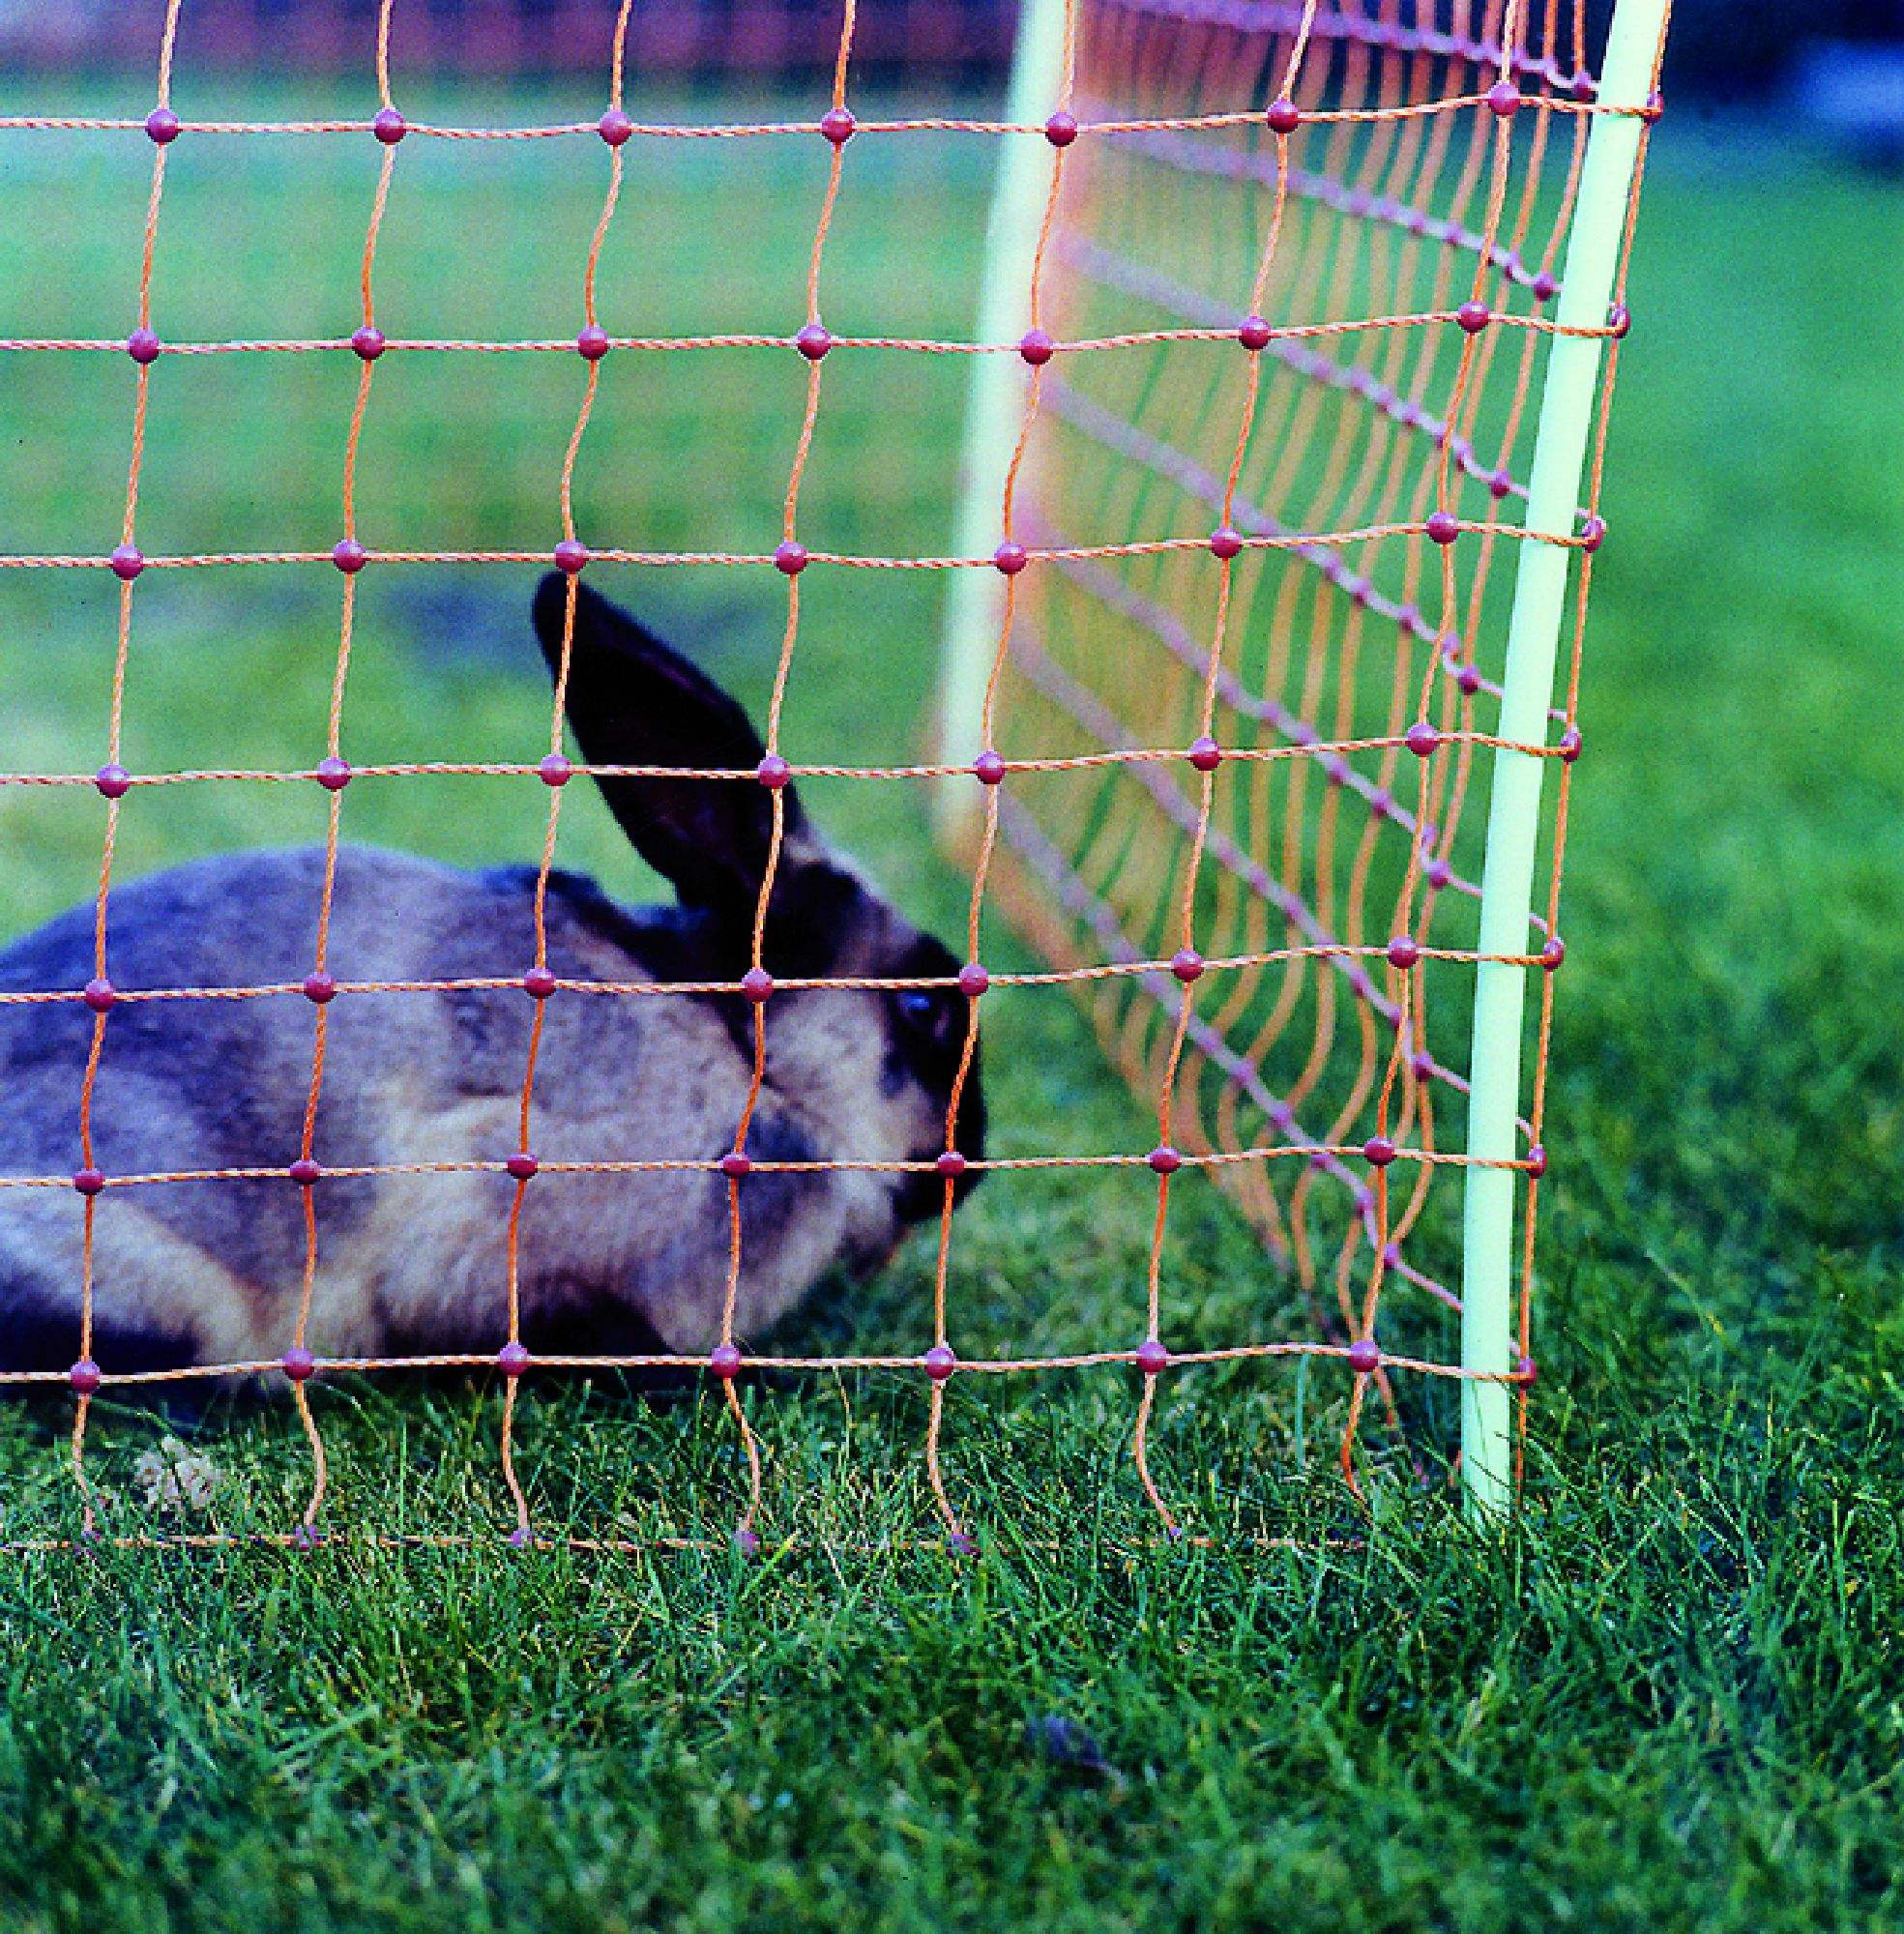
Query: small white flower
[173, 1479]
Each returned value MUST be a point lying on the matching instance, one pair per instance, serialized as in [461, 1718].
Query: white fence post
[1513, 817]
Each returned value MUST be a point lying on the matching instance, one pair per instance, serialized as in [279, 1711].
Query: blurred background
[1834, 61]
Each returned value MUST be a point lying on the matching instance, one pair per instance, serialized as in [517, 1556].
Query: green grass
[1672, 1698]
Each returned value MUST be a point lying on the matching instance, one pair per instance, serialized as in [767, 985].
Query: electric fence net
[1250, 474]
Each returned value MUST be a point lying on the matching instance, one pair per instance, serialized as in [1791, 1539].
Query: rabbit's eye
[920, 1007]
[930, 1013]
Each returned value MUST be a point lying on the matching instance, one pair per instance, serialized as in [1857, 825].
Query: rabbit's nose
[921, 1193]
[921, 1190]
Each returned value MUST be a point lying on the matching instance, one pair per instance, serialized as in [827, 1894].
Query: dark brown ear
[634, 701]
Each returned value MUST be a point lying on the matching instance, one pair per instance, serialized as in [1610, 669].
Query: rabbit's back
[220, 1083]
[209, 1085]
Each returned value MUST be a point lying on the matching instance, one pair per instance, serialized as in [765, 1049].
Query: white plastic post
[995, 407]
[1513, 818]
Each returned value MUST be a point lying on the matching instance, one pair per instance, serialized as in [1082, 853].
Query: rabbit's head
[868, 1074]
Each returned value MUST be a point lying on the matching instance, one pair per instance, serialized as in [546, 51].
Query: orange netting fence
[1294, 280]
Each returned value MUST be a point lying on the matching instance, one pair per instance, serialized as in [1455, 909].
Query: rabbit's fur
[210, 1272]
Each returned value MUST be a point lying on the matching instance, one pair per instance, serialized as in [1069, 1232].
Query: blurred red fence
[936, 40]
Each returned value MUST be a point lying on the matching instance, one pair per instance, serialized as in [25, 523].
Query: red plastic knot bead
[84, 1376]
[1504, 100]
[1225, 543]
[390, 127]
[1403, 952]
[1365, 1356]
[1544, 287]
[1474, 316]
[1526, 1373]
[1424, 1066]
[1500, 485]
[615, 127]
[1010, 557]
[1536, 1162]
[939, 1362]
[790, 557]
[570, 556]
[838, 124]
[1060, 129]
[1442, 528]
[513, 1358]
[813, 342]
[1378, 1151]
[1164, 1160]
[538, 984]
[100, 996]
[368, 341]
[989, 769]
[305, 1172]
[88, 1180]
[1035, 346]
[1283, 116]
[521, 1166]
[142, 347]
[1205, 754]
[1582, 86]
[1253, 334]
[725, 1362]
[555, 770]
[1592, 534]
[772, 771]
[1438, 873]
[757, 983]
[1619, 319]
[1421, 739]
[318, 989]
[350, 557]
[1553, 953]
[1570, 744]
[973, 980]
[736, 1166]
[161, 126]
[126, 562]
[1151, 1356]
[298, 1363]
[1468, 678]
[950, 1164]
[1186, 963]
[592, 342]
[113, 781]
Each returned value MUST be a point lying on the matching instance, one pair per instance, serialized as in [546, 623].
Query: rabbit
[634, 1263]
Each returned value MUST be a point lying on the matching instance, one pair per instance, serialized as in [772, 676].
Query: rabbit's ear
[634, 701]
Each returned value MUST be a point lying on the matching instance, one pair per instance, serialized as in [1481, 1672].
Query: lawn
[1672, 1697]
